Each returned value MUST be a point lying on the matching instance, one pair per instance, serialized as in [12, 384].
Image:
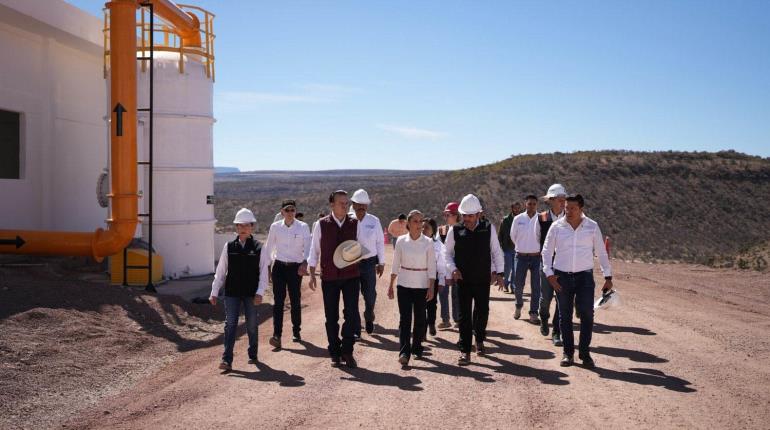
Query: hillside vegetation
[656, 206]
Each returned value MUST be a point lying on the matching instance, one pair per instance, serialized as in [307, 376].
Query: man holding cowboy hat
[335, 248]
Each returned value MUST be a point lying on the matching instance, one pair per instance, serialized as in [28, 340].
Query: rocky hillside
[689, 206]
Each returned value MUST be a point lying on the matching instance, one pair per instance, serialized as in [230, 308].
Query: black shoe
[356, 337]
[587, 360]
[349, 360]
[369, 327]
[557, 339]
[225, 366]
[480, 348]
[465, 359]
[418, 354]
[544, 327]
[253, 360]
[567, 361]
[432, 329]
[296, 337]
[336, 361]
[275, 342]
[403, 359]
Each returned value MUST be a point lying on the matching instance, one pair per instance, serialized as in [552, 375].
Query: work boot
[403, 359]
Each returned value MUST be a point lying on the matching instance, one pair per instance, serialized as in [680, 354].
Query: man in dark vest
[509, 249]
[474, 258]
[556, 199]
[242, 270]
[338, 275]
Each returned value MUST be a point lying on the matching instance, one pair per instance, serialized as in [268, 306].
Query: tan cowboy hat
[347, 253]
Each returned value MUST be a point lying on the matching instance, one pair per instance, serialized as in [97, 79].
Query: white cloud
[302, 93]
[413, 132]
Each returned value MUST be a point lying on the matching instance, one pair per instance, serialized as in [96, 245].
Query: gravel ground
[688, 349]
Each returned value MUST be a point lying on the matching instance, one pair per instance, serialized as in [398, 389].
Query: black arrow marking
[119, 109]
[19, 242]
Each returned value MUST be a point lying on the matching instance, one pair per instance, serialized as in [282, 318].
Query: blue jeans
[508, 267]
[578, 288]
[232, 311]
[443, 298]
[332, 290]
[546, 295]
[529, 263]
[368, 280]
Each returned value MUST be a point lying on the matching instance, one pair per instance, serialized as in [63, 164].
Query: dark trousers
[285, 277]
[474, 312]
[411, 301]
[546, 296]
[524, 264]
[232, 311]
[577, 288]
[331, 292]
[432, 306]
[368, 280]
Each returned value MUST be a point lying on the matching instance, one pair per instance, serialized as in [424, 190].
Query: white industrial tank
[183, 181]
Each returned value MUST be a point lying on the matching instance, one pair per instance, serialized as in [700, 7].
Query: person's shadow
[371, 377]
[606, 329]
[309, 350]
[647, 377]
[266, 373]
[638, 356]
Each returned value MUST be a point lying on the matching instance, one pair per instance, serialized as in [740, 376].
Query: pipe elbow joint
[112, 241]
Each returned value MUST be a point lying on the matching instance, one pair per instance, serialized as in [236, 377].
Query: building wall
[52, 72]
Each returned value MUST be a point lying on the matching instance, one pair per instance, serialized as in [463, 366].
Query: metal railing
[165, 40]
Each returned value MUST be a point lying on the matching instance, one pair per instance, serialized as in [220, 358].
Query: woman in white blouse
[414, 264]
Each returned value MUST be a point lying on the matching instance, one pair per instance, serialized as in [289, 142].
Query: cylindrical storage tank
[183, 180]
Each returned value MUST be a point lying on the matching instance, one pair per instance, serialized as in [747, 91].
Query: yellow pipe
[123, 165]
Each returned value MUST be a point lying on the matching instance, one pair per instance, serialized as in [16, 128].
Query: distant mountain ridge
[689, 206]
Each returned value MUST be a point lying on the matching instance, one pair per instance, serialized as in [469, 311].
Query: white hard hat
[470, 204]
[244, 216]
[361, 197]
[608, 300]
[555, 190]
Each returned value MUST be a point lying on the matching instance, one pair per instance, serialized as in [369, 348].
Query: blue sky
[449, 84]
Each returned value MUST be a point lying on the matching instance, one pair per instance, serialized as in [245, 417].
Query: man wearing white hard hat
[474, 258]
[242, 271]
[568, 262]
[335, 248]
[556, 199]
[372, 263]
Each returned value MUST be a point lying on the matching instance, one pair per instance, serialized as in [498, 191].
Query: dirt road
[690, 348]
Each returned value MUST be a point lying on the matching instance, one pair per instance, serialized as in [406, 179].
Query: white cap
[361, 197]
[470, 204]
[555, 190]
[244, 216]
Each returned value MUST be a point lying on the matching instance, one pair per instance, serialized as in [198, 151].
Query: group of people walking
[451, 266]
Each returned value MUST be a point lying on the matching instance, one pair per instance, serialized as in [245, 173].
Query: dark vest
[331, 236]
[242, 268]
[545, 221]
[473, 256]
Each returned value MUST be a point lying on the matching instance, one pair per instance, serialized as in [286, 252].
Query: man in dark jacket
[509, 250]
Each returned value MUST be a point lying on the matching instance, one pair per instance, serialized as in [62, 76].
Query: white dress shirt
[290, 244]
[438, 248]
[372, 237]
[524, 233]
[574, 248]
[494, 248]
[221, 273]
[414, 261]
[315, 243]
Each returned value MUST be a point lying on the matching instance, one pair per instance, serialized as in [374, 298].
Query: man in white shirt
[556, 199]
[287, 246]
[524, 236]
[574, 240]
[474, 258]
[372, 237]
